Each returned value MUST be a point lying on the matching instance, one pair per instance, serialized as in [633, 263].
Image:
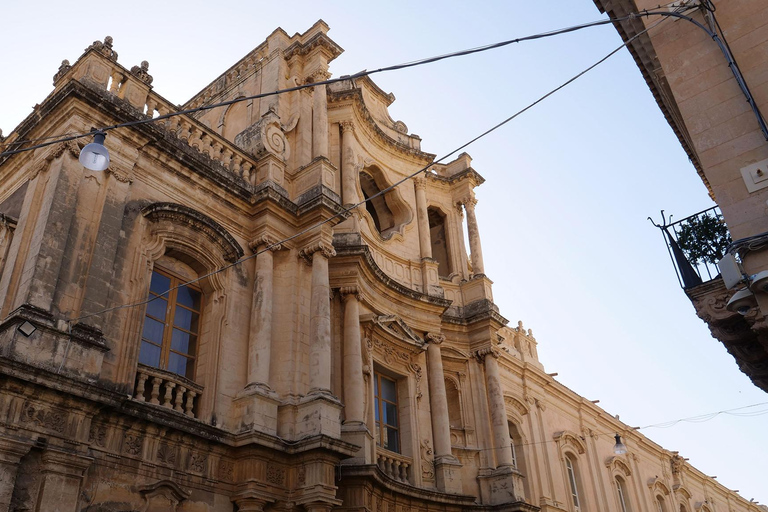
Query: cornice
[355, 95]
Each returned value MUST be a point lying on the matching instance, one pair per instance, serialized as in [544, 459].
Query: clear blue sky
[569, 184]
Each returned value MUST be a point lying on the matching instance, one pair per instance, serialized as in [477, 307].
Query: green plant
[703, 239]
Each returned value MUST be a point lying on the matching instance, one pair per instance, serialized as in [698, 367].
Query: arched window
[439, 239]
[377, 207]
[621, 492]
[574, 481]
[454, 404]
[171, 323]
[660, 507]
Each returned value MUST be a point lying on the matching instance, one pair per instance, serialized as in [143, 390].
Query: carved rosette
[325, 248]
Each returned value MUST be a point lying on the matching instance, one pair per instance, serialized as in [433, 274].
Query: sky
[569, 184]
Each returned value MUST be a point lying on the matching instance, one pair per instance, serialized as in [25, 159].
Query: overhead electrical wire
[346, 210]
[419, 62]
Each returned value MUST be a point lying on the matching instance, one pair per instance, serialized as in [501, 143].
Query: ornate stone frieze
[275, 475]
[132, 443]
[97, 435]
[49, 419]
[198, 462]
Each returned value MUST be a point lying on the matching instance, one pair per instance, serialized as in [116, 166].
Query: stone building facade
[718, 124]
[211, 324]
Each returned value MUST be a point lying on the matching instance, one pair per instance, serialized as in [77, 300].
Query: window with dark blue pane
[386, 414]
[171, 325]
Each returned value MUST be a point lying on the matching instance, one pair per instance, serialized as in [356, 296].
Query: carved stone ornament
[264, 137]
[63, 70]
[427, 460]
[618, 465]
[712, 308]
[97, 435]
[198, 462]
[275, 475]
[104, 48]
[347, 292]
[226, 470]
[266, 241]
[142, 72]
[166, 454]
[488, 351]
[45, 418]
[132, 443]
[568, 440]
[163, 495]
[325, 248]
[435, 338]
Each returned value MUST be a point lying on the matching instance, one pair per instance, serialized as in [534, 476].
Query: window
[621, 490]
[439, 239]
[171, 325]
[387, 425]
[572, 481]
[660, 504]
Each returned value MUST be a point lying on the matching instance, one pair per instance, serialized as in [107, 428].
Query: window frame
[379, 402]
[621, 490]
[171, 299]
[573, 481]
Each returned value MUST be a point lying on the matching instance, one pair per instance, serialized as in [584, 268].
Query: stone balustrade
[166, 389]
[394, 465]
[134, 86]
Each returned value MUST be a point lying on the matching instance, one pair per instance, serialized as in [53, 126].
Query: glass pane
[388, 391]
[157, 308]
[153, 330]
[378, 434]
[183, 342]
[376, 386]
[392, 443]
[180, 365]
[188, 297]
[149, 354]
[159, 283]
[390, 414]
[185, 319]
[377, 409]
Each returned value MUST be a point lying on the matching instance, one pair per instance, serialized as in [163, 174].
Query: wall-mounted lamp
[741, 302]
[27, 328]
[759, 282]
[619, 448]
[95, 156]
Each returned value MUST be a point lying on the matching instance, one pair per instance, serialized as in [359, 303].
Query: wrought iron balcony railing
[695, 245]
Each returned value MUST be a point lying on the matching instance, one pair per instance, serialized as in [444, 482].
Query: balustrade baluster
[155, 390]
[168, 393]
[117, 77]
[247, 175]
[180, 392]
[139, 394]
[190, 403]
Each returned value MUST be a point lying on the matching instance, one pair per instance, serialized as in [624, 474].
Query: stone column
[348, 175]
[260, 335]
[438, 401]
[320, 318]
[320, 117]
[474, 237]
[61, 475]
[499, 427]
[354, 385]
[11, 453]
[422, 217]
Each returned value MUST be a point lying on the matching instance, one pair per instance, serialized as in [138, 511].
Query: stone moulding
[177, 213]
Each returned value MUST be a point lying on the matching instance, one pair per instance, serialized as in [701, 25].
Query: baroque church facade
[212, 325]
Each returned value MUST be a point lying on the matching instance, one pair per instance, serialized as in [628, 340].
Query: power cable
[347, 209]
[360, 74]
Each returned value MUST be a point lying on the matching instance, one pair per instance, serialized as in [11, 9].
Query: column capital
[318, 76]
[266, 240]
[324, 248]
[469, 202]
[347, 126]
[435, 338]
[488, 351]
[348, 292]
[420, 182]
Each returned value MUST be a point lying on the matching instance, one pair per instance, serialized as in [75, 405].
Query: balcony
[695, 244]
[394, 465]
[166, 389]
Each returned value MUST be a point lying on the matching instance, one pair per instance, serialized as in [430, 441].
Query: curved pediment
[396, 328]
[201, 223]
[567, 440]
[618, 465]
